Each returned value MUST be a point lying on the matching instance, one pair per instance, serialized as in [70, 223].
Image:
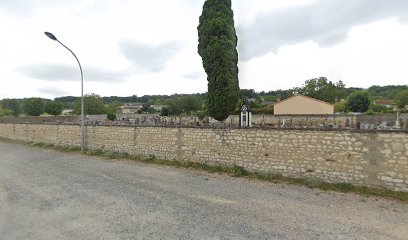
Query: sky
[139, 47]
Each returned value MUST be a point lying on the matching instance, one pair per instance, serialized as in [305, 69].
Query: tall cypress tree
[217, 46]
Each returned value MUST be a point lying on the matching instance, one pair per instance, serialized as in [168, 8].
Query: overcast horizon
[150, 48]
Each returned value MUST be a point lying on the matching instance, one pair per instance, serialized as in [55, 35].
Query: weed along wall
[364, 158]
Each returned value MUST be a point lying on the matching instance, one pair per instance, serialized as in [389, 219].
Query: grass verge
[233, 170]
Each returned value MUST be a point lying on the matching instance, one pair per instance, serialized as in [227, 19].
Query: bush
[201, 115]
[313, 182]
[381, 109]
[358, 101]
[344, 187]
[111, 116]
[371, 112]
[265, 110]
[164, 112]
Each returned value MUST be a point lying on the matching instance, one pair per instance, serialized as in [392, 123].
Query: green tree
[380, 109]
[34, 106]
[164, 112]
[111, 116]
[341, 106]
[151, 109]
[321, 88]
[184, 104]
[401, 101]
[112, 107]
[189, 103]
[358, 101]
[386, 92]
[5, 112]
[13, 105]
[54, 108]
[175, 107]
[247, 94]
[217, 46]
[93, 104]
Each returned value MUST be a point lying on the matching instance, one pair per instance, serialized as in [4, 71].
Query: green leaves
[358, 101]
[93, 104]
[217, 47]
[13, 105]
[402, 100]
[34, 106]
[54, 108]
[321, 88]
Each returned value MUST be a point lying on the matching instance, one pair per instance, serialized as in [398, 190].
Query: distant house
[67, 111]
[302, 105]
[130, 108]
[159, 107]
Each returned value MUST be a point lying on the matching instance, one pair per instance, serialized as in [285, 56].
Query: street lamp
[51, 36]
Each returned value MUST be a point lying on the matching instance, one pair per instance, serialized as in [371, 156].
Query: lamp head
[50, 35]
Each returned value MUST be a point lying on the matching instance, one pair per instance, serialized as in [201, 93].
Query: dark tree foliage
[112, 107]
[217, 46]
[247, 94]
[34, 106]
[386, 92]
[358, 101]
[54, 108]
[111, 116]
[5, 112]
[93, 105]
[323, 89]
[164, 112]
[278, 94]
[13, 105]
[184, 104]
[401, 101]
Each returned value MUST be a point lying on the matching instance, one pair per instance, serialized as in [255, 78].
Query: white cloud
[149, 57]
[361, 42]
[326, 22]
[60, 72]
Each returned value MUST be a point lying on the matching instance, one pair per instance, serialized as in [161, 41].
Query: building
[159, 107]
[302, 105]
[130, 108]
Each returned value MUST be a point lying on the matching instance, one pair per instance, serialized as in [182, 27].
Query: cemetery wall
[368, 158]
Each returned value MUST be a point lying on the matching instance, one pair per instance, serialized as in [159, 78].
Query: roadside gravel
[51, 195]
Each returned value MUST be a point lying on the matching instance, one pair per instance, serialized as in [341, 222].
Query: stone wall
[378, 159]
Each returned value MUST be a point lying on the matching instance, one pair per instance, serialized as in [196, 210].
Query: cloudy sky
[139, 47]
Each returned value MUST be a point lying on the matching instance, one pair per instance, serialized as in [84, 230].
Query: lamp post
[51, 36]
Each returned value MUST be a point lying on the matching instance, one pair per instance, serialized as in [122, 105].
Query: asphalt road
[50, 195]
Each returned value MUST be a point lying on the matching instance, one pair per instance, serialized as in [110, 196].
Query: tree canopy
[5, 112]
[13, 105]
[217, 46]
[358, 101]
[54, 108]
[34, 106]
[402, 99]
[184, 104]
[323, 89]
[93, 104]
[386, 92]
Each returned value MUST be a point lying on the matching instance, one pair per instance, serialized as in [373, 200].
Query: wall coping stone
[232, 128]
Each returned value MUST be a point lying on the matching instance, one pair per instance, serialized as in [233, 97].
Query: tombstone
[383, 125]
[398, 122]
[246, 115]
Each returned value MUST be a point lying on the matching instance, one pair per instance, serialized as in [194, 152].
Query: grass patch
[43, 145]
[232, 170]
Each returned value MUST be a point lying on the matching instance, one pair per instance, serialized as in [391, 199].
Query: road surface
[46, 194]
